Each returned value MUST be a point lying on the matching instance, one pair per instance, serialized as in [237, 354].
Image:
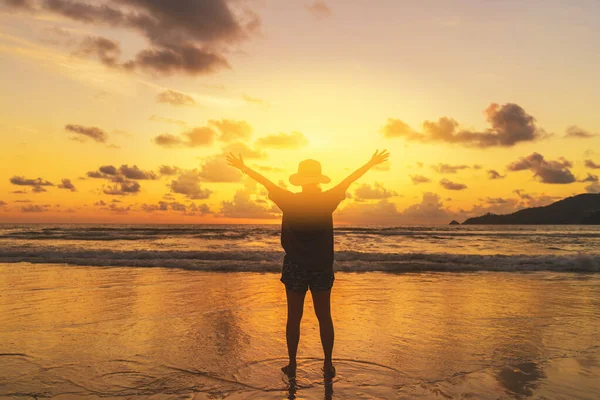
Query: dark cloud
[198, 137]
[590, 178]
[493, 174]
[67, 184]
[509, 125]
[556, 172]
[593, 188]
[591, 164]
[375, 192]
[448, 169]
[534, 200]
[109, 170]
[105, 50]
[19, 4]
[123, 188]
[37, 185]
[185, 36]
[447, 184]
[293, 140]
[35, 208]
[136, 173]
[319, 9]
[114, 208]
[93, 133]
[232, 130]
[175, 98]
[168, 170]
[3, 203]
[188, 184]
[577, 132]
[22, 181]
[416, 179]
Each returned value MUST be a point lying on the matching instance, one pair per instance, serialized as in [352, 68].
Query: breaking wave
[270, 261]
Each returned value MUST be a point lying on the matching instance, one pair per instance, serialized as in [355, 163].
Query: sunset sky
[120, 111]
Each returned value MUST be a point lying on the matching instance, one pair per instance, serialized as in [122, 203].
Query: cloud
[579, 133]
[136, 173]
[232, 130]
[67, 184]
[293, 140]
[255, 100]
[493, 174]
[590, 178]
[123, 188]
[35, 208]
[246, 151]
[534, 200]
[185, 36]
[555, 172]
[216, 169]
[509, 125]
[105, 50]
[37, 185]
[416, 179]
[96, 134]
[188, 184]
[123, 179]
[124, 172]
[591, 164]
[3, 203]
[175, 98]
[243, 206]
[375, 192]
[168, 170]
[319, 9]
[449, 185]
[593, 188]
[448, 169]
[22, 181]
[198, 137]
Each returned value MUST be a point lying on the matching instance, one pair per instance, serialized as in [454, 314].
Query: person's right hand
[379, 157]
[237, 162]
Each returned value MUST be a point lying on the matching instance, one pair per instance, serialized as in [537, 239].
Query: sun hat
[309, 172]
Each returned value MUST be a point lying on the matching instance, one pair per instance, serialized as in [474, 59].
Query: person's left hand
[237, 162]
[379, 157]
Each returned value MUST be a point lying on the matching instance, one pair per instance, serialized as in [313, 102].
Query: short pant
[299, 279]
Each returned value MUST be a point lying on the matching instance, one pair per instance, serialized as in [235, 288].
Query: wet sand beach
[73, 331]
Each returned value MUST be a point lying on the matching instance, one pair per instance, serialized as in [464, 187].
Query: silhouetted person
[307, 238]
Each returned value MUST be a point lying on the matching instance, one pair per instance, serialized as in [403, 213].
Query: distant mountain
[583, 209]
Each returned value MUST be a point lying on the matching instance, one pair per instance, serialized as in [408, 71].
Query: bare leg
[295, 302]
[322, 303]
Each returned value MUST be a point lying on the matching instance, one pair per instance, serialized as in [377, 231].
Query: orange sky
[120, 111]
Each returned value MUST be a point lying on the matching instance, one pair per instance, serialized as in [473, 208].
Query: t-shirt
[307, 225]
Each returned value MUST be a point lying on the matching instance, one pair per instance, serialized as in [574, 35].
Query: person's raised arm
[238, 163]
[377, 158]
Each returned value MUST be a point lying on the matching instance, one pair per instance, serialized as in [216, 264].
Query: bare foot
[289, 370]
[329, 370]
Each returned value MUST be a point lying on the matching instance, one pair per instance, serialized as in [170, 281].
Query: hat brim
[299, 180]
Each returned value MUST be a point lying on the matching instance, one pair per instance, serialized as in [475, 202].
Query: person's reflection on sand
[293, 388]
[521, 379]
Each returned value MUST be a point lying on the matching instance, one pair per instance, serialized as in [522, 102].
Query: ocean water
[257, 248]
